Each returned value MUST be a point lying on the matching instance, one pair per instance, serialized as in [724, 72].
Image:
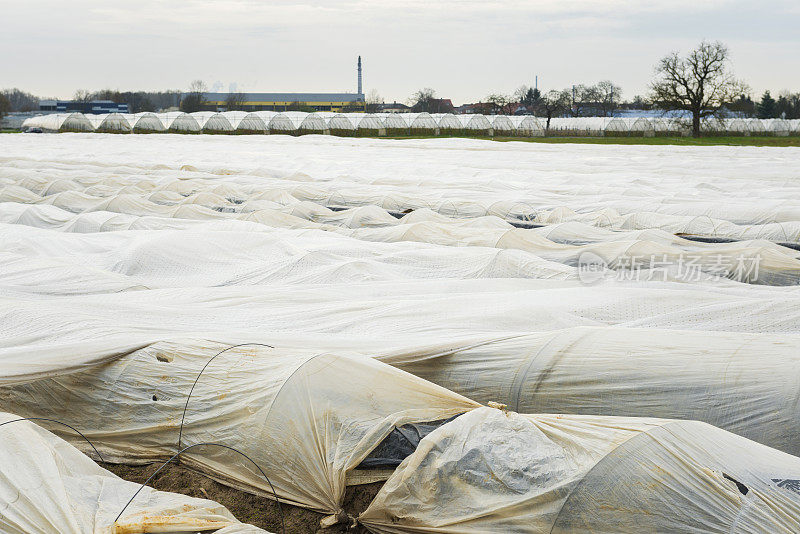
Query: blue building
[95, 106]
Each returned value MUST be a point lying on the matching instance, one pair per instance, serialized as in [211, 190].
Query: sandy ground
[258, 511]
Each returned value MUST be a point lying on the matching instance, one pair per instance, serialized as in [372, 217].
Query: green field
[791, 141]
[683, 141]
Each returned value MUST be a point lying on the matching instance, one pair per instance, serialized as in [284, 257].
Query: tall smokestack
[359, 74]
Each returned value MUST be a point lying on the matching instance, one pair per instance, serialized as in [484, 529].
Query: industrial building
[287, 101]
[284, 101]
[93, 107]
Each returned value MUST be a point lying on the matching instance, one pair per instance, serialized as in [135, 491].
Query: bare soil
[259, 511]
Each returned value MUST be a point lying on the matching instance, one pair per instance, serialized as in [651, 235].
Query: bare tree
[194, 99]
[583, 100]
[422, 100]
[20, 100]
[235, 101]
[520, 93]
[699, 83]
[82, 95]
[5, 105]
[609, 95]
[498, 102]
[555, 103]
[372, 101]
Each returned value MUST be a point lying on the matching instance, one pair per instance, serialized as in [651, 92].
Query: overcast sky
[463, 49]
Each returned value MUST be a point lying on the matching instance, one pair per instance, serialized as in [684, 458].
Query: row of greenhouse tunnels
[397, 124]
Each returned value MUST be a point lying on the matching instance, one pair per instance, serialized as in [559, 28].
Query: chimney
[359, 75]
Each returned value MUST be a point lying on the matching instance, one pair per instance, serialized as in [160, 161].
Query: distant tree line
[138, 101]
[700, 84]
[600, 99]
[16, 100]
[786, 106]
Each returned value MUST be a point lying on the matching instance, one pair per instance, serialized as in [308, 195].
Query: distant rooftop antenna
[359, 74]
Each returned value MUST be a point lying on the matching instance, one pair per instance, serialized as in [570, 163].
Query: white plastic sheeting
[393, 122]
[145, 122]
[419, 121]
[212, 122]
[743, 383]
[177, 121]
[490, 471]
[110, 122]
[635, 188]
[527, 126]
[760, 262]
[306, 419]
[127, 262]
[447, 122]
[368, 123]
[60, 122]
[411, 310]
[242, 121]
[476, 123]
[47, 485]
[341, 123]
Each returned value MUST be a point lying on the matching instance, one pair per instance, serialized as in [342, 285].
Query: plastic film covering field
[509, 337]
[59, 489]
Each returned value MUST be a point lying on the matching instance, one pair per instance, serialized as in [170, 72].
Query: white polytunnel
[109, 123]
[779, 127]
[47, 485]
[737, 127]
[433, 124]
[712, 125]
[496, 471]
[421, 123]
[276, 122]
[210, 121]
[757, 126]
[245, 122]
[368, 124]
[307, 122]
[313, 422]
[145, 122]
[475, 122]
[447, 123]
[394, 123]
[668, 126]
[641, 126]
[501, 124]
[717, 377]
[59, 122]
[178, 121]
[340, 123]
[566, 126]
[616, 126]
[527, 126]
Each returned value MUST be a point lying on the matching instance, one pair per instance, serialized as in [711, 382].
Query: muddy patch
[247, 508]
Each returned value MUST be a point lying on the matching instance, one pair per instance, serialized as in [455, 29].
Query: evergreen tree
[527, 100]
[531, 98]
[743, 105]
[783, 108]
[766, 108]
